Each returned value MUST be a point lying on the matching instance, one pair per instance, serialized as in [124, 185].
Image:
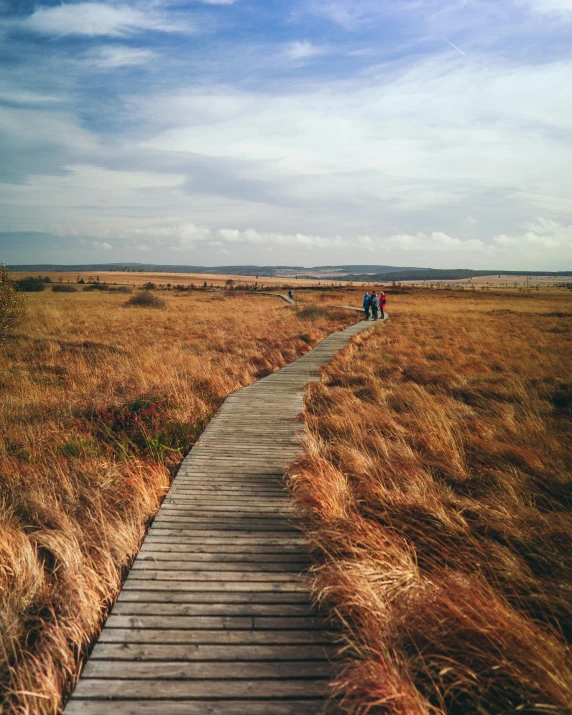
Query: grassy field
[436, 492]
[98, 404]
[132, 278]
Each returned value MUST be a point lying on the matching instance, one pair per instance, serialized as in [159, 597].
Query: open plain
[435, 487]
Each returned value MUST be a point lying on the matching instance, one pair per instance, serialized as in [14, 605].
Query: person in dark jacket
[374, 304]
[367, 305]
[382, 302]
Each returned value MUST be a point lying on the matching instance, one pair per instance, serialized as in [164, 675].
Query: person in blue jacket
[366, 305]
[374, 304]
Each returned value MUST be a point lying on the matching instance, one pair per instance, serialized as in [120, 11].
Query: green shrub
[12, 307]
[122, 289]
[63, 288]
[146, 300]
[96, 286]
[150, 286]
[30, 285]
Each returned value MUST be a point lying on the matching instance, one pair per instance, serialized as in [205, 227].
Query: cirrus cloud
[95, 19]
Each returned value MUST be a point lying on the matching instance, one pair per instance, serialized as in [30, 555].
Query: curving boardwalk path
[279, 295]
[215, 615]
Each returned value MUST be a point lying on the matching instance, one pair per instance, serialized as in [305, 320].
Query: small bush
[62, 288]
[11, 304]
[311, 312]
[145, 426]
[30, 285]
[146, 300]
[121, 289]
[149, 286]
[96, 286]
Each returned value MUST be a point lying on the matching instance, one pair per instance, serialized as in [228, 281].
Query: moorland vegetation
[98, 404]
[436, 491]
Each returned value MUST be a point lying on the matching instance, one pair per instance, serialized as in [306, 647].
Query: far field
[138, 278]
[128, 278]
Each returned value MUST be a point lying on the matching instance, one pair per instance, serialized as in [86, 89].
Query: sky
[287, 132]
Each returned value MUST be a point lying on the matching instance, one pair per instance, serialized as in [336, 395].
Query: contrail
[455, 47]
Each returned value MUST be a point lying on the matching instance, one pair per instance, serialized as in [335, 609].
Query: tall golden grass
[98, 404]
[436, 492]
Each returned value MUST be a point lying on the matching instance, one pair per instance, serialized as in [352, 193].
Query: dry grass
[98, 404]
[163, 279]
[436, 491]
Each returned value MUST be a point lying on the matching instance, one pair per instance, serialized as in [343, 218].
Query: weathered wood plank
[212, 622]
[211, 609]
[193, 689]
[238, 637]
[297, 586]
[194, 596]
[198, 707]
[207, 670]
[230, 576]
[231, 567]
[239, 557]
[204, 653]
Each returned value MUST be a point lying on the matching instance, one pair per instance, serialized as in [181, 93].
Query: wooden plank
[230, 576]
[203, 653]
[211, 609]
[212, 622]
[211, 670]
[193, 689]
[239, 557]
[240, 540]
[269, 534]
[230, 567]
[138, 584]
[219, 636]
[198, 707]
[193, 596]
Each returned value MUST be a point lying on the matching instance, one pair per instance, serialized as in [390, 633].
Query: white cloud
[102, 245]
[25, 97]
[95, 19]
[347, 13]
[540, 236]
[114, 56]
[299, 51]
[442, 134]
[549, 7]
[257, 238]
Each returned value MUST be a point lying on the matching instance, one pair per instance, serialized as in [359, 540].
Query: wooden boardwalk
[278, 295]
[215, 616]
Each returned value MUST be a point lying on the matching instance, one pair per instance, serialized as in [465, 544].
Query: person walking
[374, 304]
[382, 303]
[366, 305]
[291, 294]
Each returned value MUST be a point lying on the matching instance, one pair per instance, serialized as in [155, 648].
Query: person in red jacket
[382, 302]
